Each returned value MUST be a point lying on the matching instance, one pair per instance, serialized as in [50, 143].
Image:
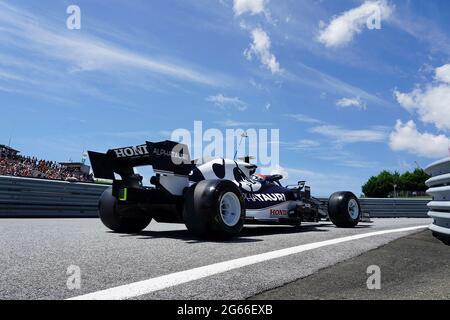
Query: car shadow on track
[247, 234]
[252, 231]
[186, 236]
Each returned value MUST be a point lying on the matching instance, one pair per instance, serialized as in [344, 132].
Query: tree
[382, 185]
[419, 178]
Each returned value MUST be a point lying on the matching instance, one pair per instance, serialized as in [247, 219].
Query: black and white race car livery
[213, 199]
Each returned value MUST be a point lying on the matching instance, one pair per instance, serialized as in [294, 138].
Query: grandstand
[13, 164]
[7, 151]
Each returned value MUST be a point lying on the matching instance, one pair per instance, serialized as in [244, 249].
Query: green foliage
[382, 185]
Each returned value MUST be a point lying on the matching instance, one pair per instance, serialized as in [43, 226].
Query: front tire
[214, 208]
[344, 209]
[110, 213]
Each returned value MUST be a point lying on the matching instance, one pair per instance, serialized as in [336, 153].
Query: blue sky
[349, 101]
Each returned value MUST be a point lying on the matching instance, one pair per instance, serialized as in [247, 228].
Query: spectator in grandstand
[20, 166]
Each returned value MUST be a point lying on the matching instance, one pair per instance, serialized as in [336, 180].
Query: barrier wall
[25, 197]
[388, 208]
[394, 208]
[439, 189]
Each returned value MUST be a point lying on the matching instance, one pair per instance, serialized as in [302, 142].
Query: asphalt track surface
[414, 267]
[36, 253]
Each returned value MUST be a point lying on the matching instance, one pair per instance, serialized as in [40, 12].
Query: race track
[37, 252]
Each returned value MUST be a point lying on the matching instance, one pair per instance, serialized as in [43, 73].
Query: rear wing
[165, 157]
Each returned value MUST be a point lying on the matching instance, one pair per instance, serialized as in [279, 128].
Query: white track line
[151, 285]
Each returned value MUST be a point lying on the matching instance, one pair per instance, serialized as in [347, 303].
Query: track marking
[139, 288]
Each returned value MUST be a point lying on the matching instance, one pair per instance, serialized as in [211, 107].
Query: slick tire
[214, 209]
[111, 215]
[344, 209]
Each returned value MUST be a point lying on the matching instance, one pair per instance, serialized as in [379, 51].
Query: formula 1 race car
[213, 199]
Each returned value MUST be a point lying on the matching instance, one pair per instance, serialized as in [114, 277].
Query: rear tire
[214, 209]
[344, 209]
[110, 212]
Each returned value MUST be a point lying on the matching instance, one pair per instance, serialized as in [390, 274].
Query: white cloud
[235, 124]
[431, 102]
[426, 30]
[359, 164]
[342, 135]
[303, 118]
[351, 102]
[443, 73]
[407, 138]
[80, 52]
[407, 100]
[303, 144]
[261, 44]
[330, 85]
[252, 7]
[223, 102]
[344, 27]
[9, 76]
[260, 47]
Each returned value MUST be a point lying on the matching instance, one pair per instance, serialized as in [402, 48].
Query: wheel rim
[230, 209]
[353, 209]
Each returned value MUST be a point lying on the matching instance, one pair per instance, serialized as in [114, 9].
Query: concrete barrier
[439, 189]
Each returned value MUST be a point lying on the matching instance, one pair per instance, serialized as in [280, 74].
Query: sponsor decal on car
[142, 150]
[278, 212]
[131, 151]
[264, 197]
[171, 154]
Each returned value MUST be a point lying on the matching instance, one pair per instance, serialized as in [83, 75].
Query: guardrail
[394, 207]
[27, 197]
[439, 188]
